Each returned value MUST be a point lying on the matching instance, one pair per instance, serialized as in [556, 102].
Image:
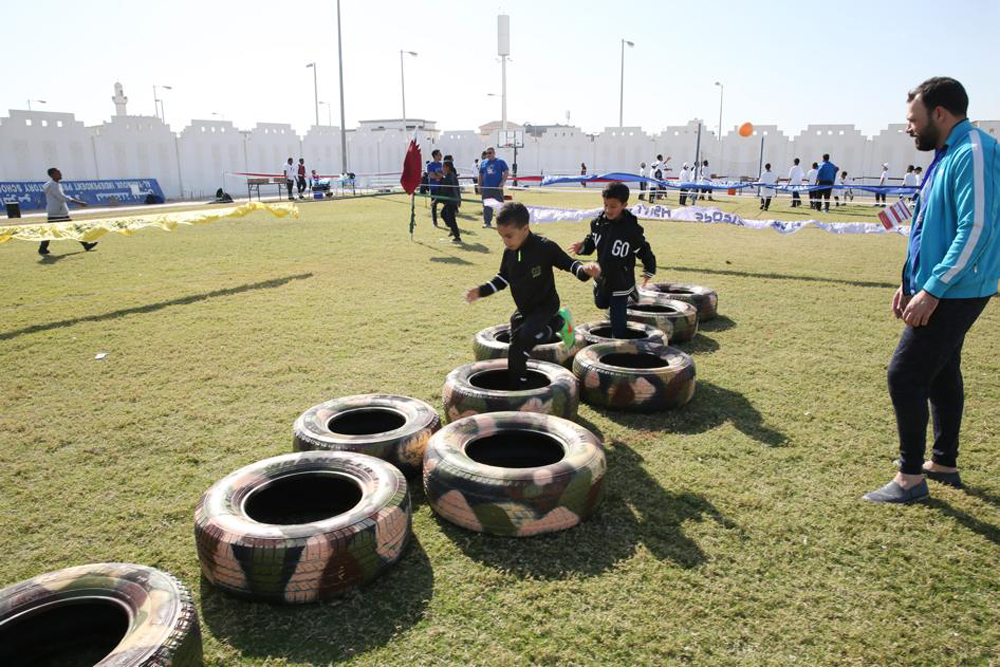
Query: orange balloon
[746, 129]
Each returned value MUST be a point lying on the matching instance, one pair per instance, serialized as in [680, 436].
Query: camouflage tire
[105, 614]
[493, 343]
[514, 473]
[600, 332]
[481, 387]
[341, 522]
[678, 319]
[637, 377]
[703, 298]
[392, 428]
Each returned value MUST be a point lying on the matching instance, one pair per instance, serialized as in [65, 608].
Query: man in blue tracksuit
[826, 176]
[951, 271]
[492, 176]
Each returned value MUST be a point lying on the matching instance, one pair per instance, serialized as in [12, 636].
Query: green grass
[732, 531]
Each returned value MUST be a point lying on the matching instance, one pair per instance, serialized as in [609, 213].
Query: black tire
[494, 342]
[678, 319]
[514, 473]
[481, 387]
[600, 332]
[393, 428]
[703, 298]
[635, 377]
[344, 519]
[105, 614]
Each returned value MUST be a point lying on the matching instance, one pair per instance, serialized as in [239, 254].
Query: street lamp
[315, 90]
[158, 104]
[621, 98]
[38, 101]
[329, 115]
[721, 90]
[402, 81]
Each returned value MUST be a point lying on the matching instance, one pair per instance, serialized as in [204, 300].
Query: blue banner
[115, 192]
[725, 185]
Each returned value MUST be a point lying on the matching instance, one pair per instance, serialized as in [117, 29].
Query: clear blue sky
[786, 63]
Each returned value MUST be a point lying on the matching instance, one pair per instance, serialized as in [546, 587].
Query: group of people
[822, 174]
[295, 177]
[698, 173]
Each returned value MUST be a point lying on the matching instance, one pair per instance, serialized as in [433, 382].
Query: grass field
[732, 531]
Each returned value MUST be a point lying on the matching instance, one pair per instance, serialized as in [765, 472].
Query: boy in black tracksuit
[526, 267]
[618, 238]
[448, 193]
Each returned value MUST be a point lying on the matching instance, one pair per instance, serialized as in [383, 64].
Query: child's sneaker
[567, 333]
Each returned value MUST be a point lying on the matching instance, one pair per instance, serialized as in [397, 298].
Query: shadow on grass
[451, 259]
[153, 307]
[698, 345]
[987, 530]
[717, 323]
[52, 259]
[636, 511]
[776, 276]
[711, 407]
[324, 633]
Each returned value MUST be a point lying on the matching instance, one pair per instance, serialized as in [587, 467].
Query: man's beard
[927, 139]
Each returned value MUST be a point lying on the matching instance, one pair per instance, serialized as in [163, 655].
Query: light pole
[158, 104]
[38, 101]
[402, 82]
[329, 116]
[315, 90]
[721, 90]
[621, 97]
[343, 124]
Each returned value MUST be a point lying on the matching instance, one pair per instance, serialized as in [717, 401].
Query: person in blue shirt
[492, 176]
[951, 272]
[826, 176]
[433, 182]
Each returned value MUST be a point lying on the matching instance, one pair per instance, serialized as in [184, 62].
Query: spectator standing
[583, 172]
[705, 177]
[450, 190]
[642, 184]
[811, 181]
[291, 175]
[492, 175]
[56, 207]
[844, 189]
[880, 195]
[684, 177]
[795, 178]
[950, 275]
[909, 180]
[300, 177]
[826, 176]
[475, 175]
[768, 178]
[433, 182]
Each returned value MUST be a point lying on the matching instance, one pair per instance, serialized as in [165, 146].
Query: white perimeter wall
[206, 154]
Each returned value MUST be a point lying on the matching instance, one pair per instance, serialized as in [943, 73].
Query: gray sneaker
[894, 493]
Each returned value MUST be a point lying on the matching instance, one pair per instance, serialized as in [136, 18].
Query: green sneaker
[566, 332]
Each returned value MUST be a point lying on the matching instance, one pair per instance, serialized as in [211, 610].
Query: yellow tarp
[91, 230]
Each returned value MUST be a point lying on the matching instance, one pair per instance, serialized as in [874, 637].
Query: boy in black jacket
[618, 238]
[449, 193]
[526, 267]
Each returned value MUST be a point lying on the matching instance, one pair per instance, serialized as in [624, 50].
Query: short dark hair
[449, 164]
[796, 160]
[52, 170]
[659, 156]
[843, 173]
[815, 165]
[768, 166]
[942, 91]
[909, 167]
[435, 152]
[513, 213]
[826, 157]
[616, 190]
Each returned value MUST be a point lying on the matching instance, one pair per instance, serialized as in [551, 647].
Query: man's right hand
[471, 295]
[575, 248]
[899, 302]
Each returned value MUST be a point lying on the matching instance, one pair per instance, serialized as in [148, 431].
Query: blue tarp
[722, 185]
[111, 192]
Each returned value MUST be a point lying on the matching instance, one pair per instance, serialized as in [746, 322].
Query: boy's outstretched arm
[584, 247]
[497, 283]
[582, 271]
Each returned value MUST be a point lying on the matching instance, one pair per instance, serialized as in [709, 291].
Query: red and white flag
[412, 168]
[895, 215]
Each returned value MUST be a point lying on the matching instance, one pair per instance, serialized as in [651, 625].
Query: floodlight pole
[343, 126]
[621, 97]
[402, 83]
[721, 90]
[315, 90]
